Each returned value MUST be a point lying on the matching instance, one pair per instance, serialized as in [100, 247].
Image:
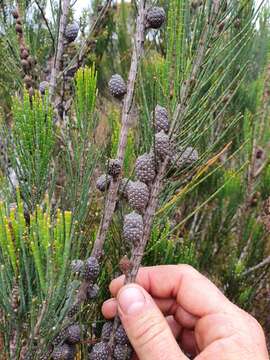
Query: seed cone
[138, 195]
[24, 54]
[73, 334]
[90, 269]
[15, 13]
[106, 330]
[122, 352]
[64, 352]
[92, 292]
[71, 32]
[100, 351]
[162, 145]
[18, 28]
[114, 167]
[121, 336]
[43, 86]
[123, 188]
[133, 228]
[103, 182]
[145, 168]
[161, 119]
[155, 17]
[117, 86]
[76, 265]
[185, 157]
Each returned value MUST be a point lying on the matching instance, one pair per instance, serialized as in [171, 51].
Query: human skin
[173, 310]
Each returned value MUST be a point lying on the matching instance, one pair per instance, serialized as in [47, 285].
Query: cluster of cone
[27, 61]
[70, 35]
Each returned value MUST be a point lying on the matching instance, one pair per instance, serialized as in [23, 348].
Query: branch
[178, 117]
[126, 112]
[125, 121]
[46, 22]
[60, 47]
[265, 262]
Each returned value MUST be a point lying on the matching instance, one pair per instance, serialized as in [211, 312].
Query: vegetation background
[213, 213]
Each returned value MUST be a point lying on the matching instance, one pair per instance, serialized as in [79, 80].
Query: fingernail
[109, 301]
[131, 300]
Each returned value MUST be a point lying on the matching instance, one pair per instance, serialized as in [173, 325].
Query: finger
[191, 290]
[176, 329]
[168, 307]
[240, 326]
[188, 342]
[109, 308]
[146, 327]
[109, 311]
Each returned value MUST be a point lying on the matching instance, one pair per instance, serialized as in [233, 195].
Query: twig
[126, 112]
[60, 47]
[46, 22]
[265, 262]
[89, 43]
[178, 117]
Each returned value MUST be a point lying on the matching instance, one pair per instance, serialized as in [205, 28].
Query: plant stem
[178, 117]
[60, 47]
[126, 111]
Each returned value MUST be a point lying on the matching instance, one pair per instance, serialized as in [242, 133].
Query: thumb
[146, 326]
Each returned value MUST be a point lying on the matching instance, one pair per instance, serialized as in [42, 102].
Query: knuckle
[186, 268]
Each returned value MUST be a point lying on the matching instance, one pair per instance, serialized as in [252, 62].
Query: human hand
[174, 310]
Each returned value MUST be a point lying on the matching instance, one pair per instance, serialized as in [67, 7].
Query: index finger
[190, 289]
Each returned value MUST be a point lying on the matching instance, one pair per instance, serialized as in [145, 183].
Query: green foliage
[33, 136]
[80, 153]
[35, 261]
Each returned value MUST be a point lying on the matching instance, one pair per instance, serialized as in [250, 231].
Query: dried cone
[100, 351]
[18, 28]
[185, 157]
[92, 292]
[125, 265]
[64, 352]
[25, 64]
[155, 17]
[28, 80]
[145, 168]
[76, 266]
[71, 32]
[74, 334]
[133, 228]
[43, 86]
[161, 119]
[15, 13]
[107, 329]
[123, 188]
[90, 269]
[103, 182]
[114, 167]
[24, 53]
[138, 195]
[123, 352]
[117, 86]
[162, 145]
[121, 336]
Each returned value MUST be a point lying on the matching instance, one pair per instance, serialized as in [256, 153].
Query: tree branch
[60, 47]
[265, 262]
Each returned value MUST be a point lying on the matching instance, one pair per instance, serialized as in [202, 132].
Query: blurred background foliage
[214, 214]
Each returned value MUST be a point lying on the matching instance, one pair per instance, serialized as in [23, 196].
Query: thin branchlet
[60, 47]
